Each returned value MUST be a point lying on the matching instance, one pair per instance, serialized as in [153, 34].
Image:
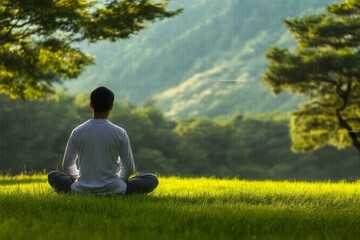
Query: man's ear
[91, 106]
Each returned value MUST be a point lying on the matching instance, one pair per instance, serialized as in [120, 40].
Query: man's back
[101, 148]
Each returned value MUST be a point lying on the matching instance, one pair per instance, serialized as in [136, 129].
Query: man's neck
[100, 115]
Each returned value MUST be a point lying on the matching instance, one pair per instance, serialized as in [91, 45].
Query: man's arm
[70, 156]
[127, 166]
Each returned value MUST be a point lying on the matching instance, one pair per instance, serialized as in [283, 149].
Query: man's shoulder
[78, 130]
[84, 124]
[117, 127]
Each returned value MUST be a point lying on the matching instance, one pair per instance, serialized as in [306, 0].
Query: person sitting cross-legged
[98, 158]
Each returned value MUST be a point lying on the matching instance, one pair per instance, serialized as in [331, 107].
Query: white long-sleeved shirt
[99, 156]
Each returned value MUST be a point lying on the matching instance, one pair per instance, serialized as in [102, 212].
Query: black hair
[102, 99]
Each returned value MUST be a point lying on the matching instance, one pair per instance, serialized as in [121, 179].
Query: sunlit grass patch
[24, 184]
[289, 193]
[183, 208]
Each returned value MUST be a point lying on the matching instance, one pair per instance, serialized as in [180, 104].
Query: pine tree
[325, 67]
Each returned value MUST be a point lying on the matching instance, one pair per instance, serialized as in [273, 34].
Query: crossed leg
[139, 184]
[60, 181]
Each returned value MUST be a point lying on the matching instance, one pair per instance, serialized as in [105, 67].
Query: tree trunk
[354, 134]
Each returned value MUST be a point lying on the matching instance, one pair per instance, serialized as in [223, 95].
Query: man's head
[102, 99]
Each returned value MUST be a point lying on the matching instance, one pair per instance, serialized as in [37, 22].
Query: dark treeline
[34, 135]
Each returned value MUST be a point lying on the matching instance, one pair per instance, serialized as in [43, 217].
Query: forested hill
[207, 61]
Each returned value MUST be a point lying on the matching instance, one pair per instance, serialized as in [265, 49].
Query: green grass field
[183, 208]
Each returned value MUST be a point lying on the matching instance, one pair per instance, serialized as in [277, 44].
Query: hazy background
[207, 61]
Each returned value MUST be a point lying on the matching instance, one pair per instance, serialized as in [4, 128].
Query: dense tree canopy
[36, 37]
[325, 67]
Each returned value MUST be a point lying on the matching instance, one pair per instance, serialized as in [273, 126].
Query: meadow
[183, 208]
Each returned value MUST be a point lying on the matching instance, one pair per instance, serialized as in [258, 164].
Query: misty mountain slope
[207, 61]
